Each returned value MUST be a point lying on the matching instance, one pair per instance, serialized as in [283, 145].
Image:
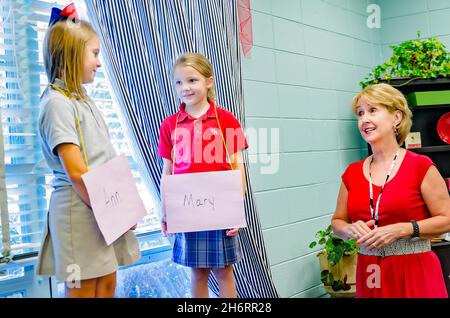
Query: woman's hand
[358, 229]
[382, 236]
[233, 232]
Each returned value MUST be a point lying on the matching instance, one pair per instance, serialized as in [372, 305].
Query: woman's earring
[396, 130]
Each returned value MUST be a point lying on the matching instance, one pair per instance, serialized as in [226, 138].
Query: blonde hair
[201, 64]
[393, 100]
[64, 49]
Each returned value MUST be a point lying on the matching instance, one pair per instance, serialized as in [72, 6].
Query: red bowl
[443, 127]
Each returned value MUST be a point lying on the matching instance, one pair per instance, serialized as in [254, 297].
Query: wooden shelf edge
[430, 107]
[429, 149]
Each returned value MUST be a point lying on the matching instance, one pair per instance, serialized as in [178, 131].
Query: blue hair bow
[66, 13]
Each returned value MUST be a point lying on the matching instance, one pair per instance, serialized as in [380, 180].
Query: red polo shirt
[199, 146]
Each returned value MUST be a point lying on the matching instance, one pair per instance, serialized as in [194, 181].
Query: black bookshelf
[425, 119]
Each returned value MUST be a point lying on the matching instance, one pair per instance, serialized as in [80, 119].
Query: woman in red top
[392, 203]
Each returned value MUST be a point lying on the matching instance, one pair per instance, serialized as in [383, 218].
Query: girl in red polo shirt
[206, 124]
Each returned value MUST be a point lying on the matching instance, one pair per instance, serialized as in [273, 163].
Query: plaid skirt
[206, 249]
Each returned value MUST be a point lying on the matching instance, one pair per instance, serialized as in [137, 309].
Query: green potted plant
[411, 60]
[337, 263]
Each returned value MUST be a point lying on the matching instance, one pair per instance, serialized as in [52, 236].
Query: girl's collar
[62, 85]
[209, 114]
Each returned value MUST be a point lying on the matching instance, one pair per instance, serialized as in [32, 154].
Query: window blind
[22, 80]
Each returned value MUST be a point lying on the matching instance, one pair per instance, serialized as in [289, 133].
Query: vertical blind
[22, 80]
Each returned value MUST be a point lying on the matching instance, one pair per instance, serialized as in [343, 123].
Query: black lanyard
[374, 212]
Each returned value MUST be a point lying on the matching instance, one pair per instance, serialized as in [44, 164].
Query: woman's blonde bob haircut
[201, 64]
[393, 100]
[64, 49]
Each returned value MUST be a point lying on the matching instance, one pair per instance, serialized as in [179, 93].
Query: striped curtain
[141, 41]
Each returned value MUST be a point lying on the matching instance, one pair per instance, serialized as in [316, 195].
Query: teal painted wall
[305, 66]
[401, 19]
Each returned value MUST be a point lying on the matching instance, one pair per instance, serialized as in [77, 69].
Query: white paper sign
[204, 201]
[114, 198]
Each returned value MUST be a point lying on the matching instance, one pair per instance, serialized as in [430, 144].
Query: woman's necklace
[374, 211]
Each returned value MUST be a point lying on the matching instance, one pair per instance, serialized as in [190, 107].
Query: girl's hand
[381, 236]
[233, 232]
[358, 229]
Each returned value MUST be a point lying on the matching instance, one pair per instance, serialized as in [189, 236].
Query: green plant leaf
[426, 58]
[326, 277]
[337, 285]
[336, 255]
[320, 234]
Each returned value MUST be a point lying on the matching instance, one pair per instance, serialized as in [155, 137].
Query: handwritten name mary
[190, 201]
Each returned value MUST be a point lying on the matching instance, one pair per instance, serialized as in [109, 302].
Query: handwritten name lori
[190, 201]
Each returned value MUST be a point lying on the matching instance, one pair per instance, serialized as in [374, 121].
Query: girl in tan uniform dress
[75, 138]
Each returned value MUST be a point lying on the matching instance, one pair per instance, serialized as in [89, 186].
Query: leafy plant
[412, 59]
[327, 279]
[335, 248]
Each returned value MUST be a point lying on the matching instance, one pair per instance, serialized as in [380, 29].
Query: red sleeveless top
[414, 275]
